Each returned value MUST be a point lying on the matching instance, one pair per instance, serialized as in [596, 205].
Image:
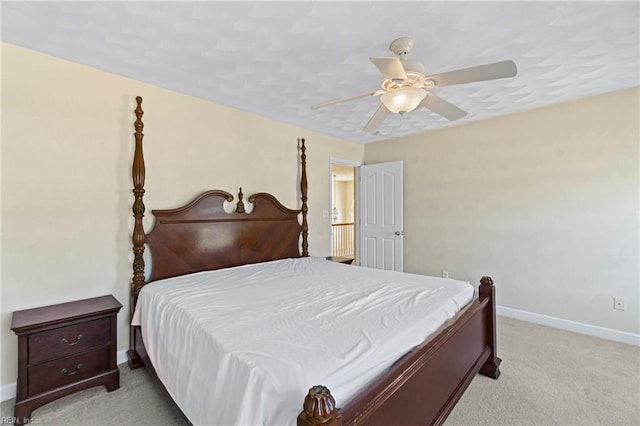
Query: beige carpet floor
[549, 377]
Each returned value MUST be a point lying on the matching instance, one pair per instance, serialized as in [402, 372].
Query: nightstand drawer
[61, 372]
[68, 340]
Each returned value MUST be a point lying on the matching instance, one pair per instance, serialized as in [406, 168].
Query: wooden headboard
[202, 236]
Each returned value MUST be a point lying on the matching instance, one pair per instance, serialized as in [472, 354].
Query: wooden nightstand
[63, 349]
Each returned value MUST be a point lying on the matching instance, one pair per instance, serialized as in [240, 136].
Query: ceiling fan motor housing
[402, 46]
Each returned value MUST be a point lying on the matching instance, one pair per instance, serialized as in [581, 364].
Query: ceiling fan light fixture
[404, 99]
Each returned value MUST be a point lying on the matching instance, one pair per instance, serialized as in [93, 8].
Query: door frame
[355, 165]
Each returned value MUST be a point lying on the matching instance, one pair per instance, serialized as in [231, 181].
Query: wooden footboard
[423, 387]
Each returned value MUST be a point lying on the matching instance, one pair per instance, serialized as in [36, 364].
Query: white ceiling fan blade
[377, 119]
[442, 107]
[391, 68]
[493, 71]
[350, 98]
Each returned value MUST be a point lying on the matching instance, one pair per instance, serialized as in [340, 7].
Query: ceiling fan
[405, 85]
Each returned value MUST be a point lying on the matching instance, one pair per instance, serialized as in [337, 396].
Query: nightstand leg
[113, 382]
[22, 413]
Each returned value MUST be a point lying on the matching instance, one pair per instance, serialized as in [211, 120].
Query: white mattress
[242, 346]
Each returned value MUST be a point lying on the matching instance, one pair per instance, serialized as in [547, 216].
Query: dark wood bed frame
[420, 388]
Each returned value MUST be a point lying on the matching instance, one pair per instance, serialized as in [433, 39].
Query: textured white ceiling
[276, 59]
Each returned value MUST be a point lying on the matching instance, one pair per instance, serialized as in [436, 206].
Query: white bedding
[242, 346]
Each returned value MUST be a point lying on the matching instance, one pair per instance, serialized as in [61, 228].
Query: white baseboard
[121, 356]
[576, 327]
[8, 391]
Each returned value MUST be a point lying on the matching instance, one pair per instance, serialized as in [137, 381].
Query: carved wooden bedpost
[138, 174]
[319, 408]
[491, 366]
[303, 192]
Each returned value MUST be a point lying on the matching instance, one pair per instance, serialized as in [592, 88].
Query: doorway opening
[343, 210]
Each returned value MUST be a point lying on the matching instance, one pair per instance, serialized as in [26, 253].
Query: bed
[204, 257]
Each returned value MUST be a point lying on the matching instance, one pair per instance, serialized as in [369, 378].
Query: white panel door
[380, 216]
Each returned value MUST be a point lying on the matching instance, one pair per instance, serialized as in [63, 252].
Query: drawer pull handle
[68, 343]
[71, 373]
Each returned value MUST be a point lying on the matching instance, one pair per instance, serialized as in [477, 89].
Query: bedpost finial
[240, 205]
[486, 281]
[138, 125]
[319, 406]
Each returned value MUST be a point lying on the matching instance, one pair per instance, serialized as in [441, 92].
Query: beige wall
[544, 201]
[67, 147]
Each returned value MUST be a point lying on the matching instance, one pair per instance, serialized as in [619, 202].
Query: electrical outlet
[618, 304]
[445, 274]
[325, 213]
